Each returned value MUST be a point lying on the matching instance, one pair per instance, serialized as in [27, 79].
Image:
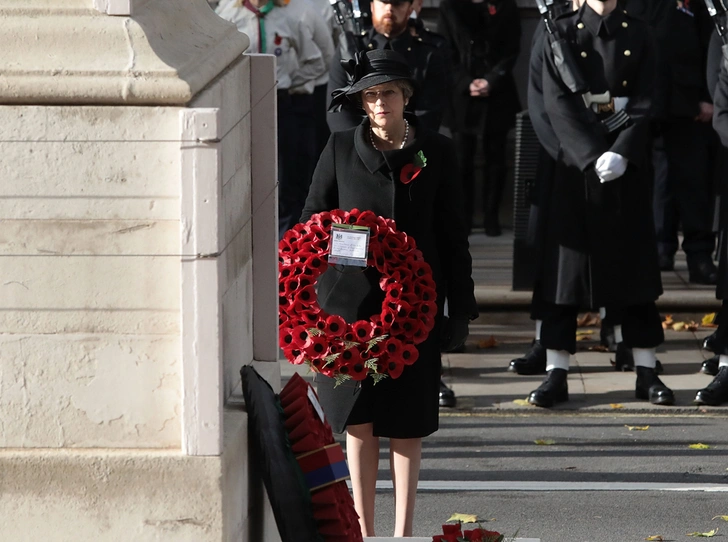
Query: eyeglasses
[372, 96]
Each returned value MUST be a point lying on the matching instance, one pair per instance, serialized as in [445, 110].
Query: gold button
[371, 46]
[409, 48]
[625, 25]
[583, 54]
[624, 83]
[627, 52]
[580, 26]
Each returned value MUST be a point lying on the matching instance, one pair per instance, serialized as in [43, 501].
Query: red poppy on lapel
[492, 9]
[410, 171]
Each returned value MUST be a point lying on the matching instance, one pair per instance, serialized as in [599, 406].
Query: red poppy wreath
[381, 346]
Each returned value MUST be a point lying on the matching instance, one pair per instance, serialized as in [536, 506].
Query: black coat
[428, 61]
[718, 65]
[600, 246]
[484, 41]
[352, 174]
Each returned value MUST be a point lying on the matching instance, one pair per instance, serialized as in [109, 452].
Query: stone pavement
[479, 377]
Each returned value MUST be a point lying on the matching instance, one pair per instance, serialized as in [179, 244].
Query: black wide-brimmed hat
[369, 69]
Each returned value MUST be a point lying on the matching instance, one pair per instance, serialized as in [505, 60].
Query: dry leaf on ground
[616, 405]
[709, 534]
[589, 320]
[679, 326]
[655, 538]
[488, 343]
[692, 326]
[598, 348]
[637, 427]
[699, 446]
[709, 320]
[464, 518]
[544, 442]
[667, 322]
[521, 402]
[724, 518]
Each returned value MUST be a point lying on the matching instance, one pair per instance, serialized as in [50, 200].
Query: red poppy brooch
[410, 171]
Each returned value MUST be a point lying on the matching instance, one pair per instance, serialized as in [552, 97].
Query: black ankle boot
[624, 360]
[717, 391]
[554, 389]
[533, 363]
[709, 343]
[447, 396]
[710, 366]
[650, 387]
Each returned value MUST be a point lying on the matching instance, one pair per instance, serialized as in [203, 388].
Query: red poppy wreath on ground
[381, 346]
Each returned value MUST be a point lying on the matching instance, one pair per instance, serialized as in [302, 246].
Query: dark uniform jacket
[484, 40]
[426, 59]
[717, 75]
[352, 174]
[600, 241]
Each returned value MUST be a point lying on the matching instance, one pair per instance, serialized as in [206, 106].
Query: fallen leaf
[637, 427]
[708, 320]
[521, 402]
[589, 320]
[488, 343]
[655, 538]
[616, 405]
[699, 446]
[583, 337]
[678, 326]
[692, 326]
[598, 348]
[580, 332]
[667, 322]
[724, 518]
[463, 518]
[544, 442]
[709, 534]
[569, 468]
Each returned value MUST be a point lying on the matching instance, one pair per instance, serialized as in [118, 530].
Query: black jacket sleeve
[536, 108]
[715, 60]
[720, 102]
[323, 195]
[502, 71]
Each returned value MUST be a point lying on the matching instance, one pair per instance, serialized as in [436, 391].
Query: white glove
[610, 166]
[620, 102]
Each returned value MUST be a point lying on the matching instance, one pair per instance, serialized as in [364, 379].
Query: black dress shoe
[710, 366]
[709, 343]
[624, 360]
[447, 396]
[554, 389]
[650, 387]
[717, 391]
[666, 262]
[533, 363]
[702, 270]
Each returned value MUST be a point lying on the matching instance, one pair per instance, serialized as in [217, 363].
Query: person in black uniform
[484, 43]
[716, 393]
[599, 246]
[361, 168]
[390, 21]
[685, 146]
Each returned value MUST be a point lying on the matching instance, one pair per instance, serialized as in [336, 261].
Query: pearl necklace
[404, 140]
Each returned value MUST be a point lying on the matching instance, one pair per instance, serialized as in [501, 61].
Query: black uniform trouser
[682, 160]
[641, 326]
[296, 156]
[720, 339]
[494, 175]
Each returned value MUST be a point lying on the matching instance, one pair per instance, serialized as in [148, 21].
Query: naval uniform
[599, 246]
[428, 62]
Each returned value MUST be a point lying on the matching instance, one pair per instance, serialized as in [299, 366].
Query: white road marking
[444, 485]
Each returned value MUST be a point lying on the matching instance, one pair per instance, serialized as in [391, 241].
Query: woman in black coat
[362, 168]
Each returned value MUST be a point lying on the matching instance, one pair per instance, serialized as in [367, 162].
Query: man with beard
[426, 59]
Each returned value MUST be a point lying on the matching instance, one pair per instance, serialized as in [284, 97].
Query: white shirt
[310, 15]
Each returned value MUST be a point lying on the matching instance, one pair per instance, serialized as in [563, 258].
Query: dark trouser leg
[664, 205]
[687, 146]
[494, 179]
[558, 331]
[298, 156]
[465, 145]
[716, 393]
